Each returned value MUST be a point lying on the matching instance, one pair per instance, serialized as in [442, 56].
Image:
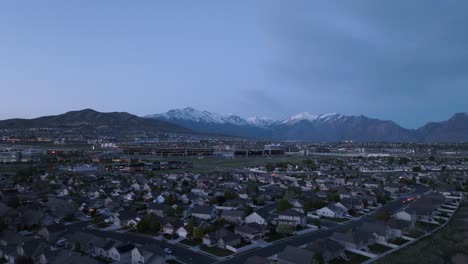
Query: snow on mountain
[300, 117]
[260, 121]
[190, 114]
[198, 116]
[235, 120]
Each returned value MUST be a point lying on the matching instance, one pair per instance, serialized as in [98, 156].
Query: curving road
[190, 256]
[298, 241]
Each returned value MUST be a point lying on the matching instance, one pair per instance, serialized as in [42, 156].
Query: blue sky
[401, 60]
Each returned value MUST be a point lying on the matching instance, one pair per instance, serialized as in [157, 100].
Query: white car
[168, 251]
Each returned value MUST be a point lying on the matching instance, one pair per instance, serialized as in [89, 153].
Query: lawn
[190, 243]
[103, 225]
[173, 261]
[338, 220]
[276, 236]
[103, 259]
[378, 249]
[426, 226]
[353, 259]
[213, 164]
[220, 252]
[398, 241]
[447, 245]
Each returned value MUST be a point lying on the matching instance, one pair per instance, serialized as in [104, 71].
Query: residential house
[252, 231]
[221, 238]
[175, 226]
[354, 239]
[257, 217]
[331, 210]
[291, 217]
[233, 216]
[294, 255]
[53, 232]
[378, 229]
[327, 248]
[204, 212]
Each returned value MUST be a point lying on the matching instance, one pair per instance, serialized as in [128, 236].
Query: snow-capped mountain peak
[193, 115]
[235, 120]
[305, 116]
[190, 113]
[260, 121]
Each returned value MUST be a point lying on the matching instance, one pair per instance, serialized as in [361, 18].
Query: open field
[448, 245]
[213, 164]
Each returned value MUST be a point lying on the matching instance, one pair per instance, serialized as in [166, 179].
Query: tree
[382, 198]
[198, 233]
[365, 203]
[270, 167]
[230, 195]
[248, 210]
[171, 199]
[24, 260]
[333, 197]
[316, 222]
[283, 204]
[317, 259]
[284, 229]
[148, 224]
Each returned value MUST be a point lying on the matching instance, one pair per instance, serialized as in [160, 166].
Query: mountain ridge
[91, 118]
[324, 127]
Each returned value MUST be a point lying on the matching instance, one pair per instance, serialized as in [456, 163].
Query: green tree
[317, 259]
[333, 197]
[270, 167]
[284, 229]
[365, 203]
[148, 224]
[283, 204]
[248, 210]
[230, 195]
[198, 233]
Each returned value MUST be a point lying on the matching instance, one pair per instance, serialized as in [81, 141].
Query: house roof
[296, 255]
[233, 213]
[377, 227]
[11, 237]
[290, 212]
[202, 210]
[251, 229]
[322, 246]
[125, 248]
[335, 208]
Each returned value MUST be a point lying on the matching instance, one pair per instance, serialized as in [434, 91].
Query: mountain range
[91, 119]
[301, 127]
[318, 128]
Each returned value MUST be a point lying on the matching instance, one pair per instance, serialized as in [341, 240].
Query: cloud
[372, 48]
[261, 100]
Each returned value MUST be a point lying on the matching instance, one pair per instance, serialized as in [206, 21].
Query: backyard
[448, 245]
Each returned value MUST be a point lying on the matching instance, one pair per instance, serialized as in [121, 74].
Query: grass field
[190, 243]
[213, 164]
[220, 252]
[448, 245]
[353, 259]
[276, 236]
[378, 249]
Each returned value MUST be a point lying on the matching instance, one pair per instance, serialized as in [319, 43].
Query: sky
[400, 60]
